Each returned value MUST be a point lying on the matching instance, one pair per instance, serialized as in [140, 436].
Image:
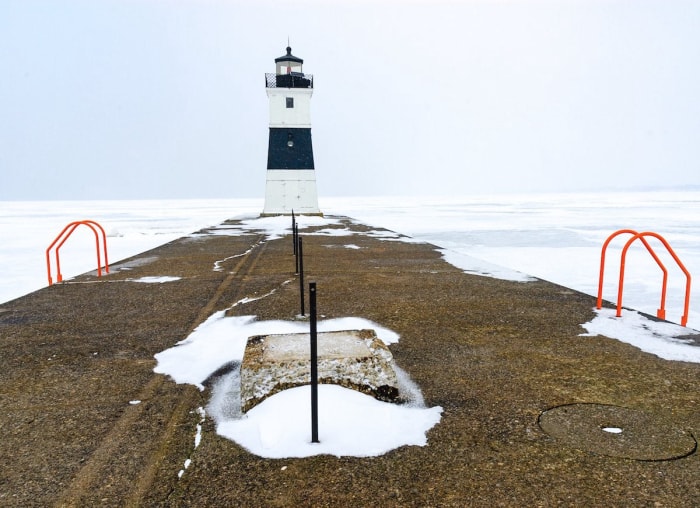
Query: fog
[124, 99]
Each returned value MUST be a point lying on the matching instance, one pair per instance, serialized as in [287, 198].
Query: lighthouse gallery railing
[293, 80]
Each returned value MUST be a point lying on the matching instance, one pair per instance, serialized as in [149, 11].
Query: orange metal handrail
[65, 234]
[684, 317]
[661, 313]
[59, 277]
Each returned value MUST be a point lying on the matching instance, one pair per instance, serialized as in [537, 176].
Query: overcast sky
[125, 99]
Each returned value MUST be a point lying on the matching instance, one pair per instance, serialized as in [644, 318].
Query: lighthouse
[291, 175]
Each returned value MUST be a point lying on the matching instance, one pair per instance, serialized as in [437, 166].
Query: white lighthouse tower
[291, 176]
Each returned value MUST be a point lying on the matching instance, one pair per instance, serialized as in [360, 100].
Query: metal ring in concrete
[617, 432]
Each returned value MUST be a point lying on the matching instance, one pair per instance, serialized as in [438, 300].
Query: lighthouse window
[290, 102]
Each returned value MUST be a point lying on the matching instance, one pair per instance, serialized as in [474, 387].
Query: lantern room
[289, 64]
[288, 73]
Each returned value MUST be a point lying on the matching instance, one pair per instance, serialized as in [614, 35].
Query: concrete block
[354, 359]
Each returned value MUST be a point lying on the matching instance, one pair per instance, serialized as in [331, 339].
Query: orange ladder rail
[65, 234]
[59, 277]
[684, 317]
[660, 313]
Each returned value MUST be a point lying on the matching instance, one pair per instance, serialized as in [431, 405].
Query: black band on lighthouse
[290, 149]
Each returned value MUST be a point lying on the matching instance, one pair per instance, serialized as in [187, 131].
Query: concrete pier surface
[86, 421]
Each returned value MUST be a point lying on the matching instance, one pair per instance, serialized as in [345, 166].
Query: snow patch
[220, 340]
[155, 280]
[350, 423]
[659, 338]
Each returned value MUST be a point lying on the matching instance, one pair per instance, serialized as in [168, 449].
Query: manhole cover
[617, 432]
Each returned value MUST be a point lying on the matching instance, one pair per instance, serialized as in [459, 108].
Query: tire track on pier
[87, 482]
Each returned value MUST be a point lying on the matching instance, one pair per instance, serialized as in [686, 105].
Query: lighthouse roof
[289, 57]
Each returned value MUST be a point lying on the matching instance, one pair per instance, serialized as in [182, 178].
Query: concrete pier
[87, 422]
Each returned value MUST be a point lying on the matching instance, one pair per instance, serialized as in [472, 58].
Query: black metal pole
[301, 275]
[294, 233]
[296, 249]
[314, 364]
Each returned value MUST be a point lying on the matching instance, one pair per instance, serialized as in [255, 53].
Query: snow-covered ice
[556, 237]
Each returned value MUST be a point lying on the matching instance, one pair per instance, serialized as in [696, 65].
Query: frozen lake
[556, 237]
